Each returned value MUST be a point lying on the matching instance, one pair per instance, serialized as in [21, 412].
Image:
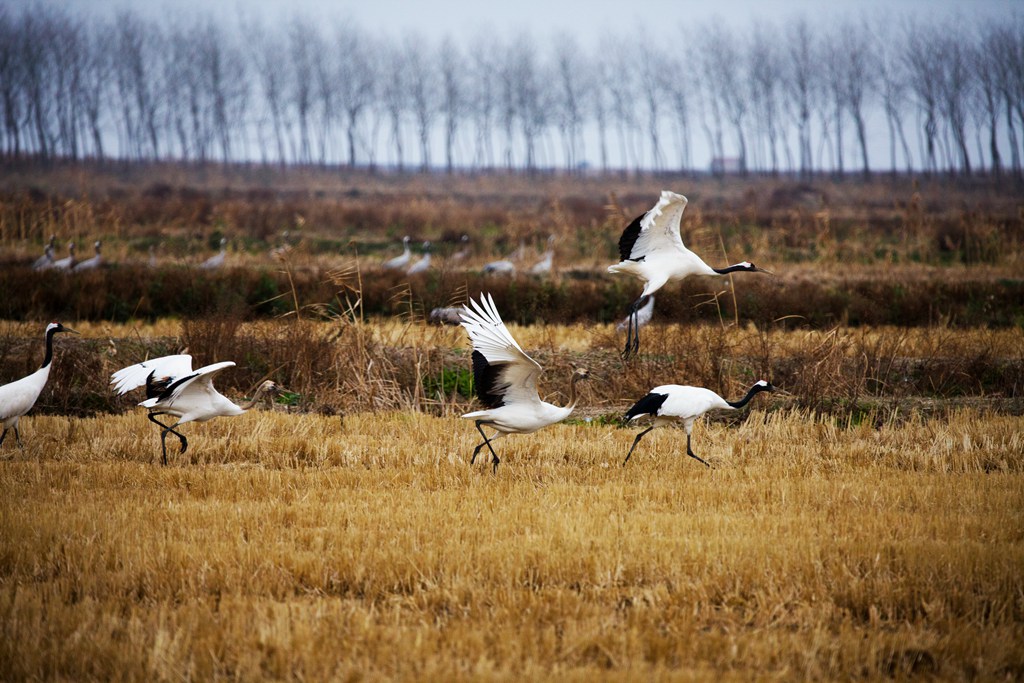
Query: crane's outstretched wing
[201, 380]
[166, 367]
[656, 230]
[502, 371]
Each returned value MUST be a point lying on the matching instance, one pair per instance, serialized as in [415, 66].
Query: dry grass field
[315, 548]
[866, 521]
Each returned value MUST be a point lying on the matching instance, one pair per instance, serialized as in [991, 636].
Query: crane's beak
[68, 329]
[763, 270]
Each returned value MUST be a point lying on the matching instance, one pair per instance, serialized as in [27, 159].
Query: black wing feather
[486, 379]
[648, 405]
[628, 239]
[166, 385]
[156, 386]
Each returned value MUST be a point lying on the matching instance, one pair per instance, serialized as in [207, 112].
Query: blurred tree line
[790, 97]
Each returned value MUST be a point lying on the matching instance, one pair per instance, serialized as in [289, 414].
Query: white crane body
[400, 262]
[174, 388]
[652, 251]
[670, 403]
[18, 397]
[505, 378]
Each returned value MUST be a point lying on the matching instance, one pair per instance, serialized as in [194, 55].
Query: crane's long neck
[733, 268]
[49, 348]
[573, 396]
[754, 390]
[256, 398]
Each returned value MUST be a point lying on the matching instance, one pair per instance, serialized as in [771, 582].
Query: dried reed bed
[403, 364]
[307, 547]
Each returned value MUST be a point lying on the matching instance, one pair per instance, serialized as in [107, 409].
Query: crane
[543, 267]
[464, 250]
[46, 260]
[217, 260]
[17, 398]
[399, 262]
[174, 388]
[652, 251]
[69, 261]
[423, 265]
[90, 263]
[671, 402]
[506, 380]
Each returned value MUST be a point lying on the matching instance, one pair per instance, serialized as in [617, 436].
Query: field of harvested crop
[863, 521]
[309, 547]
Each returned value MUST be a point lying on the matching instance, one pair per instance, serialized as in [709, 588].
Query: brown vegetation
[862, 522]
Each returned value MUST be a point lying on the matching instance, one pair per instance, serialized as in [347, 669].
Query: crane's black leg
[635, 442]
[479, 427]
[163, 435]
[693, 455]
[633, 331]
[3, 436]
[17, 436]
[629, 334]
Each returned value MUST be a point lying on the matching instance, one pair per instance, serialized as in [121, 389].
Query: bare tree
[422, 88]
[922, 60]
[650, 67]
[95, 91]
[953, 79]
[272, 74]
[393, 95]
[678, 86]
[530, 95]
[602, 99]
[358, 71]
[893, 89]
[1007, 44]
[833, 85]
[623, 91]
[35, 32]
[858, 69]
[765, 74]
[724, 80]
[800, 84]
[300, 33]
[136, 48]
[983, 58]
[452, 96]
[572, 81]
[483, 96]
[11, 80]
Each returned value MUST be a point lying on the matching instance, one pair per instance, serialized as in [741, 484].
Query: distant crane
[90, 263]
[671, 402]
[423, 265]
[502, 267]
[543, 267]
[652, 251]
[399, 262]
[174, 388]
[464, 250]
[217, 260]
[68, 262]
[506, 266]
[506, 380]
[17, 398]
[446, 315]
[46, 260]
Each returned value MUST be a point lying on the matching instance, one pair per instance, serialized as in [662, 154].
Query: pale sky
[585, 20]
